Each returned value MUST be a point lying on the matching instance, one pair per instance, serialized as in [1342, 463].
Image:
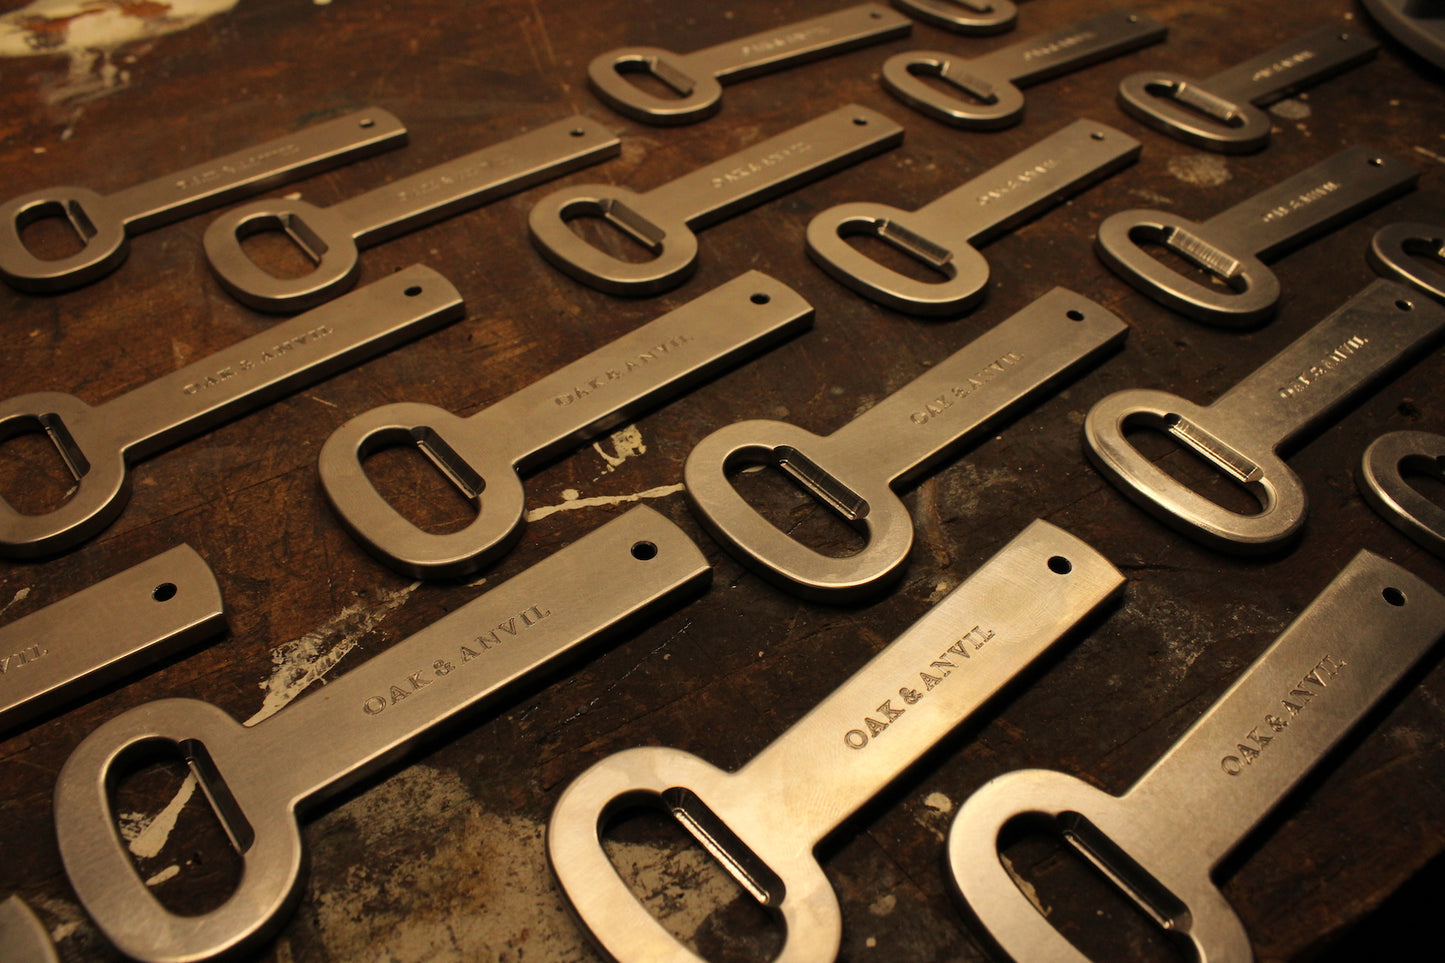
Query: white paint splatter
[1201, 170]
[20, 596]
[574, 502]
[938, 802]
[626, 442]
[884, 905]
[170, 871]
[1291, 108]
[145, 837]
[1430, 154]
[302, 661]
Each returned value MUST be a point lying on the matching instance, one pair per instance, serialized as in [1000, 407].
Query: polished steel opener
[103, 224]
[990, 84]
[98, 443]
[854, 470]
[763, 822]
[331, 237]
[74, 646]
[975, 17]
[1244, 432]
[1381, 480]
[259, 780]
[697, 78]
[22, 936]
[663, 219]
[483, 454]
[943, 233]
[1233, 245]
[1222, 113]
[1161, 841]
[1393, 253]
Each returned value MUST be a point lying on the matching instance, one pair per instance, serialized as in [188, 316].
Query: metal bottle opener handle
[663, 219]
[975, 17]
[24, 938]
[1382, 482]
[74, 646]
[1393, 250]
[763, 822]
[1234, 244]
[331, 237]
[943, 233]
[103, 223]
[1162, 839]
[99, 443]
[1222, 113]
[697, 78]
[854, 470]
[483, 454]
[260, 779]
[1244, 432]
[991, 83]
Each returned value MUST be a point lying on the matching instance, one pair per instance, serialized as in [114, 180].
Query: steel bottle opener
[1382, 482]
[1163, 838]
[259, 780]
[84, 641]
[331, 237]
[763, 822]
[854, 470]
[697, 78]
[943, 233]
[1233, 245]
[24, 938]
[1244, 432]
[98, 443]
[483, 454]
[976, 17]
[103, 223]
[1222, 113]
[1393, 250]
[990, 84]
[663, 219]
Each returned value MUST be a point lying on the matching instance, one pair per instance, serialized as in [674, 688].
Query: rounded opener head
[1395, 248]
[1383, 484]
[262, 827]
[784, 879]
[1279, 491]
[101, 232]
[671, 241]
[1249, 293]
[1185, 110]
[1177, 892]
[318, 232]
[874, 510]
[470, 461]
[698, 97]
[963, 270]
[992, 102]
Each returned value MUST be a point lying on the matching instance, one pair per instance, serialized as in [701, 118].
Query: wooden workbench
[443, 858]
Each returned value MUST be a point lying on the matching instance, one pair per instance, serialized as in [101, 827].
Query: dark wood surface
[442, 858]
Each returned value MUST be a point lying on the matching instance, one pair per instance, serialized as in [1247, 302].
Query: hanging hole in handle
[1404, 305]
[576, 132]
[1075, 315]
[1060, 565]
[164, 592]
[1394, 596]
[875, 15]
[860, 121]
[1096, 135]
[1377, 162]
[644, 551]
[412, 291]
[366, 122]
[1133, 18]
[760, 298]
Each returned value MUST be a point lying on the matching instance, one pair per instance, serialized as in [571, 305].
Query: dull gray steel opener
[484, 453]
[1383, 484]
[22, 936]
[943, 233]
[1394, 251]
[1245, 431]
[1161, 841]
[262, 779]
[854, 471]
[331, 237]
[74, 646]
[697, 77]
[763, 822]
[1233, 245]
[988, 95]
[974, 17]
[104, 223]
[1222, 113]
[99, 443]
[663, 219]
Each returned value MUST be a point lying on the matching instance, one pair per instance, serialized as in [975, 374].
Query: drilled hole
[760, 298]
[1075, 315]
[1060, 565]
[644, 551]
[1404, 305]
[367, 122]
[164, 592]
[412, 291]
[1394, 596]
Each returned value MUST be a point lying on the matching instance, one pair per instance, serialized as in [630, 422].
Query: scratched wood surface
[442, 858]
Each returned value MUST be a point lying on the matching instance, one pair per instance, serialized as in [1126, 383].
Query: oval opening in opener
[951, 83]
[283, 246]
[900, 250]
[1214, 470]
[423, 479]
[40, 464]
[1425, 475]
[1191, 256]
[655, 76]
[53, 231]
[785, 488]
[615, 229]
[1197, 100]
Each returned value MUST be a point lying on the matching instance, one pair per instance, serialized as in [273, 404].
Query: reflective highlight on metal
[1397, 251]
[1382, 481]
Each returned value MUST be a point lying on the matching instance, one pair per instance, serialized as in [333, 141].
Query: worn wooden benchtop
[443, 859]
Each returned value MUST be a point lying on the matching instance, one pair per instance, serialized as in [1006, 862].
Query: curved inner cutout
[52, 230]
[900, 250]
[40, 465]
[1098, 898]
[1191, 256]
[1215, 471]
[657, 77]
[283, 246]
[787, 488]
[425, 481]
[1426, 475]
[616, 230]
[685, 887]
[953, 82]
[1197, 100]
[1428, 251]
[176, 842]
